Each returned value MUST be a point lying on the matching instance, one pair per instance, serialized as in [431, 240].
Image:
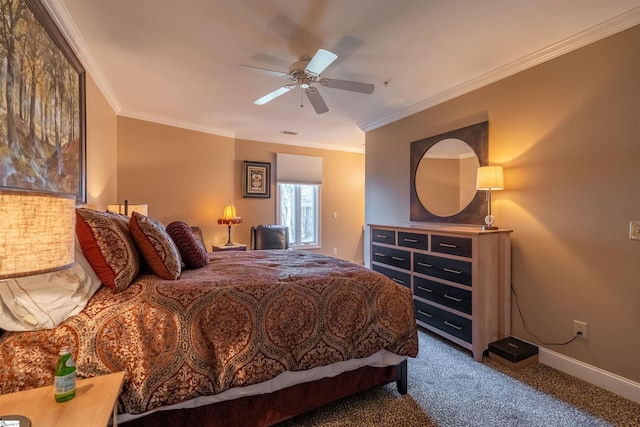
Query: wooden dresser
[460, 278]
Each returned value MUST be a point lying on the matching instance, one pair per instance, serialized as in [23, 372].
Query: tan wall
[101, 149]
[183, 175]
[190, 176]
[568, 136]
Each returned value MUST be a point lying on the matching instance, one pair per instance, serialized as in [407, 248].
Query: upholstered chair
[269, 237]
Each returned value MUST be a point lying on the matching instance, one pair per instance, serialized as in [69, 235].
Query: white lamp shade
[37, 233]
[119, 208]
[490, 178]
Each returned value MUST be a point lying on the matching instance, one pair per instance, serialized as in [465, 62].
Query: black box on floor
[513, 353]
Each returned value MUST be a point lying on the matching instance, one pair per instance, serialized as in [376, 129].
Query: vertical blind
[296, 169]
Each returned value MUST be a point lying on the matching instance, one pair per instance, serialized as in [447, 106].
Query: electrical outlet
[634, 230]
[335, 251]
[580, 328]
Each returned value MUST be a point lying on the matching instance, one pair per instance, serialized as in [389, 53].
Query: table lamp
[229, 218]
[489, 178]
[37, 236]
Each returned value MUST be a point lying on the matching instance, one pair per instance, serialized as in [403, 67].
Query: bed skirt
[271, 408]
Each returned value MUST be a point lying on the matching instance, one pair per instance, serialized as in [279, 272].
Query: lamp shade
[229, 216]
[229, 212]
[37, 233]
[128, 209]
[490, 178]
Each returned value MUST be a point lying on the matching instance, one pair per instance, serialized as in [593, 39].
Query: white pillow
[45, 300]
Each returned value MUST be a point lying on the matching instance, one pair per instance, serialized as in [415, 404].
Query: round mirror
[445, 179]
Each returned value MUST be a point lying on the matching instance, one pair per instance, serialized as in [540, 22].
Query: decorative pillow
[43, 301]
[108, 248]
[197, 233]
[156, 246]
[192, 253]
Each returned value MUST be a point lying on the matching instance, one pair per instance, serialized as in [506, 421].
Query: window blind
[296, 169]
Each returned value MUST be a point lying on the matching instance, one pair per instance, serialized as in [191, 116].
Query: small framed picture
[256, 179]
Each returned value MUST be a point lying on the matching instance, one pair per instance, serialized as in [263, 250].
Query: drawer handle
[398, 280]
[379, 254]
[397, 258]
[422, 288]
[453, 298]
[411, 240]
[452, 325]
[448, 245]
[423, 264]
[424, 313]
[448, 270]
[381, 236]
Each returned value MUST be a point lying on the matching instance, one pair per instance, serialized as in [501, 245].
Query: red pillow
[192, 253]
[156, 246]
[108, 247]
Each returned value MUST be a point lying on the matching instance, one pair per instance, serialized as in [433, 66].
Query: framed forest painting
[42, 104]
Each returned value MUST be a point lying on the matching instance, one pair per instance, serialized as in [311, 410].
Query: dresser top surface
[441, 228]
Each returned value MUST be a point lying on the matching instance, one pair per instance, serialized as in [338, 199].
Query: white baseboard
[596, 376]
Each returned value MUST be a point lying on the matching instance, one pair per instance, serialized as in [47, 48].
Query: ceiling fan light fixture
[305, 73]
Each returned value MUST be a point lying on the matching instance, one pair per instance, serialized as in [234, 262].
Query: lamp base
[489, 227]
[229, 240]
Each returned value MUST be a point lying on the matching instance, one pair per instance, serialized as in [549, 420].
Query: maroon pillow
[192, 253]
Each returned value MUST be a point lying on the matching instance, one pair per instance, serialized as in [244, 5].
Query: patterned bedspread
[243, 319]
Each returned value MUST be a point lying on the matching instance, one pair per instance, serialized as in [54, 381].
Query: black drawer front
[396, 257]
[383, 236]
[459, 327]
[443, 268]
[456, 298]
[400, 278]
[413, 240]
[460, 246]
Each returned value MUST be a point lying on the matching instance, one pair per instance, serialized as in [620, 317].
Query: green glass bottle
[65, 380]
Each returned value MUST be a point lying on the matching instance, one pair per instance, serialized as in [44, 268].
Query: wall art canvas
[42, 104]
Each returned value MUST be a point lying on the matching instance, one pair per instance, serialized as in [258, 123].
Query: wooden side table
[234, 247]
[93, 405]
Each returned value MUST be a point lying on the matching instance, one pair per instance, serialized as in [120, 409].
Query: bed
[248, 338]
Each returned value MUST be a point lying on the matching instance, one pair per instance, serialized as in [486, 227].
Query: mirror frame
[477, 137]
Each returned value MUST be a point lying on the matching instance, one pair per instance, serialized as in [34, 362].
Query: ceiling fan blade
[348, 85]
[273, 95]
[316, 100]
[263, 71]
[321, 60]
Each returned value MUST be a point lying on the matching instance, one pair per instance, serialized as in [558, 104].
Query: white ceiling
[174, 61]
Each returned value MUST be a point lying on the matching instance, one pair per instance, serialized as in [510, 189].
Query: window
[299, 210]
[298, 198]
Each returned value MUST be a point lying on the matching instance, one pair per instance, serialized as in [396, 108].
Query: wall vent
[288, 132]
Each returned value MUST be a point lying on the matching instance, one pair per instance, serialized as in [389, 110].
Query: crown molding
[591, 35]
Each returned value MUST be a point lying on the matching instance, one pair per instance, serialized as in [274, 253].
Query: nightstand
[93, 405]
[234, 247]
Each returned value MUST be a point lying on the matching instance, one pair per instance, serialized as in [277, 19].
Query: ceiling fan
[305, 73]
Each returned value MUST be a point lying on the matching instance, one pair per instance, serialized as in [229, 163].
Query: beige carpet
[448, 389]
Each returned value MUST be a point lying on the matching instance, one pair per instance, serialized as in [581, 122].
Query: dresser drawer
[396, 257]
[458, 326]
[460, 246]
[413, 240]
[383, 236]
[399, 277]
[443, 268]
[450, 296]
